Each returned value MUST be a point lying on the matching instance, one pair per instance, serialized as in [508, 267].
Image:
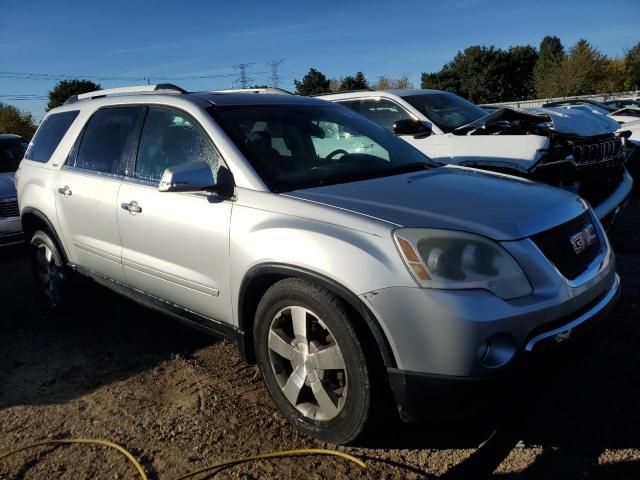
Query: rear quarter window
[49, 134]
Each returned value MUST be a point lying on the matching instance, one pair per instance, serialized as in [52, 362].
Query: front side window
[49, 134]
[302, 146]
[11, 152]
[446, 110]
[383, 112]
[106, 137]
[169, 138]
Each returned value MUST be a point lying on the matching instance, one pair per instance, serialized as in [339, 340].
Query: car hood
[498, 206]
[7, 185]
[540, 120]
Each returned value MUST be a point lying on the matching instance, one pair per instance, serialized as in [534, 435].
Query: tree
[583, 70]
[385, 83]
[357, 82]
[546, 72]
[312, 83]
[14, 121]
[632, 67]
[486, 74]
[66, 88]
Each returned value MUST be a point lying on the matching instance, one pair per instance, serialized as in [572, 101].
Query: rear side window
[107, 139]
[383, 112]
[49, 135]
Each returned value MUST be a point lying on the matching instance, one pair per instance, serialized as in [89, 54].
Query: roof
[11, 136]
[223, 99]
[399, 92]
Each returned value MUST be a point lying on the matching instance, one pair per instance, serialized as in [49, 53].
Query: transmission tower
[275, 77]
[243, 80]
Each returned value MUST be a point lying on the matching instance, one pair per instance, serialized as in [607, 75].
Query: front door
[175, 245]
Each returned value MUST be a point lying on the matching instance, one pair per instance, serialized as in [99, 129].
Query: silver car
[12, 148]
[345, 272]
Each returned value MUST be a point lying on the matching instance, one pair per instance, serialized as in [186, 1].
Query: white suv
[574, 150]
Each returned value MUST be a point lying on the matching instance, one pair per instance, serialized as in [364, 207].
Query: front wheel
[312, 361]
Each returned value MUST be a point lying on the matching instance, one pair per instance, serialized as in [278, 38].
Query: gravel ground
[179, 400]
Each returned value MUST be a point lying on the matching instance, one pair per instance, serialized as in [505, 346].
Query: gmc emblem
[583, 239]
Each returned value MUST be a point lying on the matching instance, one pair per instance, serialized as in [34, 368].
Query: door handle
[132, 207]
[66, 191]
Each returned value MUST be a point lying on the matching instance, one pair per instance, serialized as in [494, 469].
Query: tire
[49, 271]
[334, 403]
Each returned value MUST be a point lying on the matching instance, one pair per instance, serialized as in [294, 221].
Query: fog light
[497, 350]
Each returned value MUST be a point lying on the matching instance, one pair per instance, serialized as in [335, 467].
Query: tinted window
[11, 152]
[383, 112]
[446, 110]
[106, 137]
[299, 146]
[49, 135]
[169, 138]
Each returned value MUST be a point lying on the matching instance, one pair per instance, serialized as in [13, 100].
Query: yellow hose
[281, 454]
[89, 441]
[143, 475]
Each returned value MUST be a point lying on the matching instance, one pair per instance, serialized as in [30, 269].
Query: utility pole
[275, 77]
[243, 79]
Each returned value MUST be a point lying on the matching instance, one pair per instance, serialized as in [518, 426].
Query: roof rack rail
[273, 90]
[160, 87]
[344, 91]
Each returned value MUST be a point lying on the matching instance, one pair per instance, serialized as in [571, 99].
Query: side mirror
[410, 126]
[196, 177]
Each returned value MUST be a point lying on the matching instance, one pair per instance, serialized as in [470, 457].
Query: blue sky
[163, 40]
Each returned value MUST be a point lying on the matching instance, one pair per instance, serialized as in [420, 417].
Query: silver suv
[343, 274]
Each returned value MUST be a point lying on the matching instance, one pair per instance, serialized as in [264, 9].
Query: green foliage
[14, 121]
[546, 72]
[66, 88]
[312, 83]
[357, 82]
[583, 71]
[486, 74]
[632, 67]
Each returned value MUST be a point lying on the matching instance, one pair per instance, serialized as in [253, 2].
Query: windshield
[446, 110]
[302, 146]
[11, 152]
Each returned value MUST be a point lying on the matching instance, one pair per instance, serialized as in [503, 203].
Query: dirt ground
[179, 400]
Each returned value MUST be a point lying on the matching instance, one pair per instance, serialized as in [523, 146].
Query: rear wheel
[312, 361]
[48, 268]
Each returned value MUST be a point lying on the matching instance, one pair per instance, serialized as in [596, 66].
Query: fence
[601, 97]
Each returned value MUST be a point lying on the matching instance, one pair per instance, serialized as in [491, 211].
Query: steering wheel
[336, 152]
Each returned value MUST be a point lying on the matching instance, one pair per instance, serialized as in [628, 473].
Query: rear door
[87, 189]
[175, 245]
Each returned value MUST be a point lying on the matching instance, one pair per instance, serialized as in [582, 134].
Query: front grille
[556, 244]
[9, 209]
[586, 154]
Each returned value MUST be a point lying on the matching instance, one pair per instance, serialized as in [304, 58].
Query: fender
[26, 211]
[285, 270]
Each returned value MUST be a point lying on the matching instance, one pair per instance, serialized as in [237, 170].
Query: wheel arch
[260, 277]
[33, 220]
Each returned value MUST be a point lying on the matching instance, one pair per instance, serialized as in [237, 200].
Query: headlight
[456, 260]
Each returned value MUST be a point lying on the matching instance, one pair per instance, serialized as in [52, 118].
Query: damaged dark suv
[571, 149]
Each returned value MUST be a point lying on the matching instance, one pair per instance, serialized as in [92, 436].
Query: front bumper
[412, 390]
[608, 209]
